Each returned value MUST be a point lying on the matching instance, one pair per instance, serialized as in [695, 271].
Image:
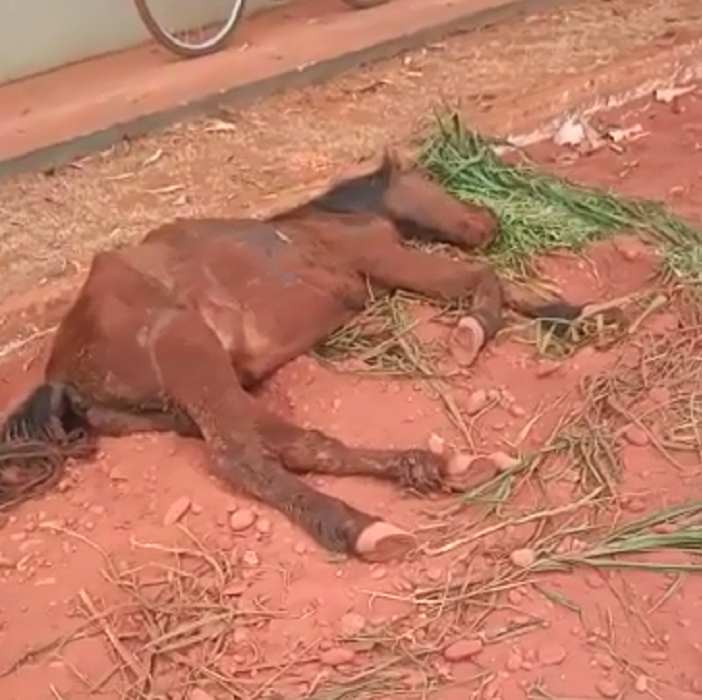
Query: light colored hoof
[466, 341]
[465, 471]
[382, 541]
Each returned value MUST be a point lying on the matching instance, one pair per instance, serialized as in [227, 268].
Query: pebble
[241, 520]
[523, 558]
[641, 684]
[503, 461]
[352, 624]
[378, 572]
[517, 411]
[463, 649]
[200, 694]
[116, 475]
[434, 573]
[263, 526]
[176, 510]
[604, 660]
[514, 597]
[594, 580]
[546, 368]
[514, 661]
[300, 548]
[97, 510]
[551, 654]
[250, 558]
[235, 589]
[659, 395]
[635, 505]
[436, 444]
[6, 562]
[336, 656]
[636, 436]
[476, 402]
[629, 249]
[607, 688]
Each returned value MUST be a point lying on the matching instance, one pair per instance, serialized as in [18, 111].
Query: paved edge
[63, 152]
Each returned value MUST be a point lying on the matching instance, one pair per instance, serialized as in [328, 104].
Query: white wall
[37, 35]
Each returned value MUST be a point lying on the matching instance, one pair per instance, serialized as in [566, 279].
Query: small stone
[503, 461]
[629, 248]
[659, 395]
[434, 573]
[97, 510]
[641, 684]
[594, 580]
[241, 520]
[517, 411]
[352, 624]
[607, 688]
[551, 654]
[635, 505]
[176, 511]
[604, 660]
[436, 444]
[116, 475]
[250, 558]
[336, 656]
[463, 650]
[514, 597]
[546, 368]
[523, 558]
[196, 509]
[263, 526]
[636, 436]
[235, 589]
[378, 572]
[514, 661]
[300, 548]
[200, 694]
[6, 562]
[476, 402]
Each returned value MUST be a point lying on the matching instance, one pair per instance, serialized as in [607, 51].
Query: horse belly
[278, 328]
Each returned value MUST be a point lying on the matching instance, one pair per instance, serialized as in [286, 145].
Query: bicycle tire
[364, 4]
[179, 48]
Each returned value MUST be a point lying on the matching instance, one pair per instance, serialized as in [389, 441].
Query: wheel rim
[222, 17]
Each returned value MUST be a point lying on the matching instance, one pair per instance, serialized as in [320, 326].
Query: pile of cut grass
[540, 212]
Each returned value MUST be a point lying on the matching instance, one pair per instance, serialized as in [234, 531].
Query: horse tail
[37, 438]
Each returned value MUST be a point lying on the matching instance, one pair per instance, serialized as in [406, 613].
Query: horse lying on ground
[170, 335]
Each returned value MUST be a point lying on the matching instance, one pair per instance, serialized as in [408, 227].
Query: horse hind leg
[311, 451]
[221, 409]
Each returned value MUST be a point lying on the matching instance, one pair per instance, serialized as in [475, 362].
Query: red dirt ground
[300, 614]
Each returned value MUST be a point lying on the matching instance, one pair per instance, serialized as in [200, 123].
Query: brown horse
[170, 334]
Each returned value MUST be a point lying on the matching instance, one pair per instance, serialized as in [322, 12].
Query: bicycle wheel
[218, 30]
[364, 4]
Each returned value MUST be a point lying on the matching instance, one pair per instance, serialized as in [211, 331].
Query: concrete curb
[62, 152]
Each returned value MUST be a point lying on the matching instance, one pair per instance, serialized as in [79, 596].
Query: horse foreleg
[392, 266]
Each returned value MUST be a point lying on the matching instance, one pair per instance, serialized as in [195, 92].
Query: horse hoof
[465, 471]
[382, 541]
[466, 341]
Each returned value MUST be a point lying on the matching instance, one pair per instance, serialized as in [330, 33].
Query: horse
[174, 332]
